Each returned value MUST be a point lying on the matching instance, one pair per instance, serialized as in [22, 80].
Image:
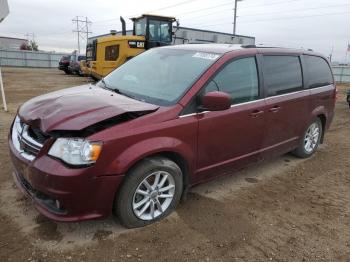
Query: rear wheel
[150, 192]
[311, 140]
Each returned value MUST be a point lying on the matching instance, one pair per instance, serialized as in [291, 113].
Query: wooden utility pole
[235, 17]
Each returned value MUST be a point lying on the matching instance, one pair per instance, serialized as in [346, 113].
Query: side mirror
[216, 101]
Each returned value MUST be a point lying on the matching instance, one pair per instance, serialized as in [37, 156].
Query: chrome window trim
[267, 98]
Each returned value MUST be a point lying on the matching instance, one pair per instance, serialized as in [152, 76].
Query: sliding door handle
[274, 109]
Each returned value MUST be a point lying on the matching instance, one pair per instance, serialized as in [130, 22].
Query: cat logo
[137, 44]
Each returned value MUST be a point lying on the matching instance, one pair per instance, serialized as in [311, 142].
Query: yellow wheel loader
[104, 54]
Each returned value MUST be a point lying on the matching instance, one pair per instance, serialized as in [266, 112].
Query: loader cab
[157, 30]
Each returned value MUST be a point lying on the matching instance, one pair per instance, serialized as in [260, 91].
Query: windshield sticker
[206, 56]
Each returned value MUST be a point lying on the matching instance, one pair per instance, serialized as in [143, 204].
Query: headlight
[76, 151]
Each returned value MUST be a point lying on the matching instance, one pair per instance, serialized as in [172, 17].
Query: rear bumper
[81, 195]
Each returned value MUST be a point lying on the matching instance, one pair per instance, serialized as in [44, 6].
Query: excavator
[106, 53]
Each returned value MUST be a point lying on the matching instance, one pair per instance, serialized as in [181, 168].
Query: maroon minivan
[166, 120]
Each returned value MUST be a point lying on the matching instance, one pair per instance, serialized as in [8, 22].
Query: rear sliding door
[287, 102]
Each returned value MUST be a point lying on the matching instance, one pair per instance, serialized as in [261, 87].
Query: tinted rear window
[282, 74]
[319, 73]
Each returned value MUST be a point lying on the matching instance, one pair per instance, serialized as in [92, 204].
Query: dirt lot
[286, 209]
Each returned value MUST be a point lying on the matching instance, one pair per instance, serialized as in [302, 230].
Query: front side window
[319, 73]
[112, 53]
[160, 75]
[140, 27]
[239, 79]
[159, 31]
[282, 74]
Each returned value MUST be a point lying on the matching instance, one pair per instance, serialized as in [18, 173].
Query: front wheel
[150, 192]
[311, 140]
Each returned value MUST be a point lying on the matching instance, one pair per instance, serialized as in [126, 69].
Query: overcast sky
[315, 24]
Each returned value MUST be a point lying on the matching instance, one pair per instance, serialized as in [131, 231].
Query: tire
[67, 72]
[305, 151]
[128, 205]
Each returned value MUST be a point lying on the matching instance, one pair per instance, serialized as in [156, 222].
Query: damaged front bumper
[62, 193]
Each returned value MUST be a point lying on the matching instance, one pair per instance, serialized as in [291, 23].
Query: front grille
[27, 140]
[37, 135]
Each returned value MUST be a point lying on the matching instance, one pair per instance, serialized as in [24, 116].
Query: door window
[159, 31]
[239, 79]
[140, 27]
[282, 74]
[112, 53]
[319, 73]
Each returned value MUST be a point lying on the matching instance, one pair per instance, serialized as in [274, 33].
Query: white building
[11, 42]
[186, 35]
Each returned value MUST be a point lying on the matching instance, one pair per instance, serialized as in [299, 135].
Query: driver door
[232, 138]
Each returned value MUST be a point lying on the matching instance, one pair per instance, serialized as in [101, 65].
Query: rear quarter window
[282, 74]
[319, 72]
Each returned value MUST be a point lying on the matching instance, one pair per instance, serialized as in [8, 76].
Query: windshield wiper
[116, 90]
[105, 86]
[104, 83]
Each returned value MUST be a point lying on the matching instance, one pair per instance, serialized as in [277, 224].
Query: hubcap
[153, 195]
[311, 138]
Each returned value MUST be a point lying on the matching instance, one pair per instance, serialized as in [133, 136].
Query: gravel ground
[285, 209]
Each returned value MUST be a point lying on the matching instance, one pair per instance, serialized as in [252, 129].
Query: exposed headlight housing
[76, 151]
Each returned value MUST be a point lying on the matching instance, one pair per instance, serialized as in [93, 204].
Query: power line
[296, 10]
[230, 4]
[296, 17]
[273, 3]
[279, 18]
[194, 11]
[207, 8]
[150, 11]
[279, 12]
[171, 6]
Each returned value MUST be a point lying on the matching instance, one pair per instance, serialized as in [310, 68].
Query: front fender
[144, 148]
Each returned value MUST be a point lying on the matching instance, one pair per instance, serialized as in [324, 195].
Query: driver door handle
[256, 113]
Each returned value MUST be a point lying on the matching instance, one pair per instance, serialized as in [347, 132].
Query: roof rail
[261, 46]
[248, 46]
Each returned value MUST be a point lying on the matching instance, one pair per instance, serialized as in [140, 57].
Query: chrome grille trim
[20, 135]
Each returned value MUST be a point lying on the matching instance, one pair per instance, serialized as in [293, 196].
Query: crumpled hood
[77, 108]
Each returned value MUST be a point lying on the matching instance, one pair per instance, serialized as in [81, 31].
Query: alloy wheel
[311, 138]
[153, 195]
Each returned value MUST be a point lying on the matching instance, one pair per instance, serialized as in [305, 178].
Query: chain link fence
[341, 74]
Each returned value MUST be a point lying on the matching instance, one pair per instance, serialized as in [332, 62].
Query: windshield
[159, 76]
